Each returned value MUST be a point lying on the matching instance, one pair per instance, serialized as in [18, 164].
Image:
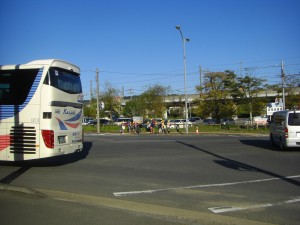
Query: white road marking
[120, 194]
[225, 209]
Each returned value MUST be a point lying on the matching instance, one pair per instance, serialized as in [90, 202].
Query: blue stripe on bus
[74, 118]
[7, 111]
[61, 124]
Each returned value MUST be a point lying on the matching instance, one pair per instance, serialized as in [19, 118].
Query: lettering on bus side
[76, 134]
[35, 120]
[69, 112]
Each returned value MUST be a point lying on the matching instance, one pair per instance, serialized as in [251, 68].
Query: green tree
[111, 100]
[89, 109]
[292, 100]
[135, 107]
[149, 104]
[154, 99]
[216, 94]
[247, 89]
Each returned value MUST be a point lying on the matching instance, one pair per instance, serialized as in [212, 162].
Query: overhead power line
[142, 74]
[193, 75]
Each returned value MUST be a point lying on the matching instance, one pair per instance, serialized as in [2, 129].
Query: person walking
[163, 127]
[168, 126]
[152, 125]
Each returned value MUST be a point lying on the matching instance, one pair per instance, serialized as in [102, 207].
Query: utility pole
[97, 93]
[241, 68]
[91, 91]
[122, 100]
[130, 92]
[283, 85]
[200, 70]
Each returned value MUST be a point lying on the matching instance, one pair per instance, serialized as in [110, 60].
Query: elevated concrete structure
[191, 97]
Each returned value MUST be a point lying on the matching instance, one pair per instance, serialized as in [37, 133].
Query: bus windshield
[64, 80]
[15, 85]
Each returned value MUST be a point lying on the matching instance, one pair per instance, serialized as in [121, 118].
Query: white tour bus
[40, 110]
[285, 129]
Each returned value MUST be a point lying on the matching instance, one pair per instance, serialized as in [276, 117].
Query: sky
[135, 45]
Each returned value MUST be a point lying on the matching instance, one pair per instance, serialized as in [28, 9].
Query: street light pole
[184, 40]
[97, 93]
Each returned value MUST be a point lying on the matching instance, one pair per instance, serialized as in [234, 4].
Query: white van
[285, 129]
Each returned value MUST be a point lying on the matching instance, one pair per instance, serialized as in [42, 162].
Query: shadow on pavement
[266, 144]
[236, 165]
[45, 162]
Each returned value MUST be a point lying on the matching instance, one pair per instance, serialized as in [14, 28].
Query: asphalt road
[156, 179]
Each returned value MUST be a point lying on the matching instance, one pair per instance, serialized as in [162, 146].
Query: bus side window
[46, 81]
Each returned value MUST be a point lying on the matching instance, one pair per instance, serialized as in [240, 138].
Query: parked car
[176, 122]
[209, 121]
[123, 120]
[189, 122]
[197, 120]
[88, 121]
[193, 121]
[104, 121]
[260, 121]
[172, 124]
[226, 121]
[257, 121]
[92, 122]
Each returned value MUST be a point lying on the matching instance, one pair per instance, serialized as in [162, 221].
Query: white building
[274, 106]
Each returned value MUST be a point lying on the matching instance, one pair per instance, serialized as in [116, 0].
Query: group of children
[162, 127]
[135, 128]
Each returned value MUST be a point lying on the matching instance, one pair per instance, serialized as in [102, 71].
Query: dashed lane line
[224, 209]
[150, 209]
[125, 193]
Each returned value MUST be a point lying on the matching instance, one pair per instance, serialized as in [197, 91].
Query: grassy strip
[193, 129]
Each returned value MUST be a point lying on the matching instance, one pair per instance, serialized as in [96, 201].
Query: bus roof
[45, 62]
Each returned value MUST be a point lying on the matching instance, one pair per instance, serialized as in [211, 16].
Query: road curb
[179, 214]
[24, 190]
